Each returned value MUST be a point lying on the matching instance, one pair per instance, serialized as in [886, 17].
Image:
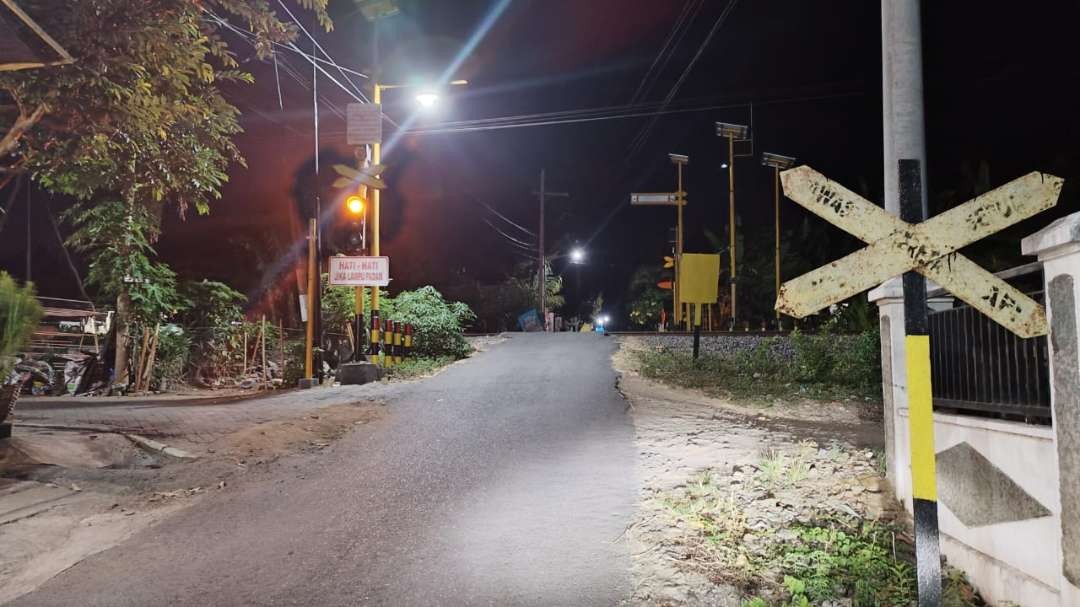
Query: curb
[72, 427]
[153, 445]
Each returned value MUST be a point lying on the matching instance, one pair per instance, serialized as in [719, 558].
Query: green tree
[19, 315]
[135, 124]
[646, 299]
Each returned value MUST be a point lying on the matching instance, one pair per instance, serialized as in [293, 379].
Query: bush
[19, 316]
[814, 357]
[173, 353]
[437, 324]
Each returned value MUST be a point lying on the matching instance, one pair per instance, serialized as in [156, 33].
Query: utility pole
[902, 95]
[543, 194]
[742, 133]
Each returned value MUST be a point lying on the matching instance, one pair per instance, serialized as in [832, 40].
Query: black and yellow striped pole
[407, 340]
[388, 343]
[397, 343]
[373, 353]
[920, 404]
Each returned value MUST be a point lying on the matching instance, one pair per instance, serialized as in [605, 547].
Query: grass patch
[797, 564]
[820, 367]
[411, 368]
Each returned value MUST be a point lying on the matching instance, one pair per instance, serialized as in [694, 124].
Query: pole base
[307, 382]
[5, 431]
[357, 373]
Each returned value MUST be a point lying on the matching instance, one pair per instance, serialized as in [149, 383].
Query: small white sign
[363, 123]
[359, 271]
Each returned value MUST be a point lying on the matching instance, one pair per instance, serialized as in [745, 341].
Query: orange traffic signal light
[355, 205]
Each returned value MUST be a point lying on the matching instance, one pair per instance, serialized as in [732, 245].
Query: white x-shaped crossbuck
[929, 248]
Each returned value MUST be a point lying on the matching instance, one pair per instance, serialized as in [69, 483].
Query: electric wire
[512, 241]
[435, 130]
[667, 50]
[319, 47]
[506, 219]
[643, 135]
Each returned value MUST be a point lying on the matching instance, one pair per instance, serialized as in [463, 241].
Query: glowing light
[355, 205]
[577, 255]
[427, 99]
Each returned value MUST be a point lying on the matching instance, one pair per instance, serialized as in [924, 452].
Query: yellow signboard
[699, 275]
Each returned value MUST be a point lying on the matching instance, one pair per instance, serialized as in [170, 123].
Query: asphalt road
[507, 479]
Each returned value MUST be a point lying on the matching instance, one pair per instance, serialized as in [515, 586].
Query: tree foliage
[437, 323]
[646, 299]
[19, 315]
[118, 238]
[139, 113]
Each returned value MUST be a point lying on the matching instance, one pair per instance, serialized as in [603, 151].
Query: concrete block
[353, 374]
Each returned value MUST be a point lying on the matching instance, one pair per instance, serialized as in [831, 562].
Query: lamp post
[778, 163]
[426, 98]
[679, 161]
[742, 132]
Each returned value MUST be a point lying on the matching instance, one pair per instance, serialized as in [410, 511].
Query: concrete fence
[1009, 492]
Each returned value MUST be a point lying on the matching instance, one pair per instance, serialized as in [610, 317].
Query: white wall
[1014, 561]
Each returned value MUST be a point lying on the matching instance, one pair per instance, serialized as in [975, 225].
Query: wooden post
[313, 282]
[262, 338]
[151, 355]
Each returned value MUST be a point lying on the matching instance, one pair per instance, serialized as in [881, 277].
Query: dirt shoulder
[66, 495]
[736, 498]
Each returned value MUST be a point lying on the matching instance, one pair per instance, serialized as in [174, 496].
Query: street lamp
[426, 98]
[742, 133]
[577, 255]
[778, 163]
[679, 160]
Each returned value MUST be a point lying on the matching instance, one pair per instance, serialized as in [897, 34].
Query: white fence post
[1058, 247]
[890, 300]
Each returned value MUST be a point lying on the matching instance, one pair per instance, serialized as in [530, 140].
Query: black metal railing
[980, 368]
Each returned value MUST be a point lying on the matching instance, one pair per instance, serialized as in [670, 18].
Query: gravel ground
[718, 344]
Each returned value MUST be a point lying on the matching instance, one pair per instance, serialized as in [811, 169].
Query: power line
[663, 57]
[319, 47]
[512, 241]
[621, 116]
[506, 219]
[643, 135]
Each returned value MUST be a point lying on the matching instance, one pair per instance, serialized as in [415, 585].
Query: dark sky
[999, 91]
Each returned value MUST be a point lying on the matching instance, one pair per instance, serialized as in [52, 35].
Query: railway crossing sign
[929, 248]
[366, 176]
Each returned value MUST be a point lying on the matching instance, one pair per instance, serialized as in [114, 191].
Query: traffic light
[354, 205]
[356, 211]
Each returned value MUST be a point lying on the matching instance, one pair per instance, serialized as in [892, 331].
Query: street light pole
[543, 266]
[731, 131]
[376, 159]
[778, 163]
[731, 222]
[541, 272]
[679, 202]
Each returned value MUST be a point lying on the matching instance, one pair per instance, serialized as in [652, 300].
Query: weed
[418, 367]
[772, 465]
[822, 366]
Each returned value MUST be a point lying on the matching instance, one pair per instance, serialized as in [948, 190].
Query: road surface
[507, 479]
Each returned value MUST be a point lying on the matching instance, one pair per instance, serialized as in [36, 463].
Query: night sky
[999, 85]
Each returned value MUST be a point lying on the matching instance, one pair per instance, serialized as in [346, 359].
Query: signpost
[363, 123]
[359, 271]
[929, 248]
[699, 275]
[919, 249]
